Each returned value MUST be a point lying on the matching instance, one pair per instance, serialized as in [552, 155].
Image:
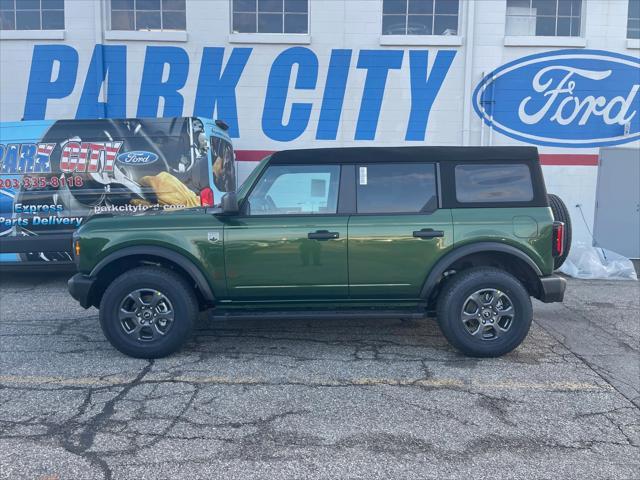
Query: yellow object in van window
[170, 190]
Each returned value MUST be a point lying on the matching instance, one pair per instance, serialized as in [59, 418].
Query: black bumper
[80, 288]
[552, 288]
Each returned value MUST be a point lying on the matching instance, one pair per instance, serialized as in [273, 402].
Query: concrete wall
[353, 26]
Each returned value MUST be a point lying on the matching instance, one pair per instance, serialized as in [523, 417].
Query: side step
[320, 314]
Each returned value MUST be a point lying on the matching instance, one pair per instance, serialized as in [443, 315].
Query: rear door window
[493, 183]
[396, 188]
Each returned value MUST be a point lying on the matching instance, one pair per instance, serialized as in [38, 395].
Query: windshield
[250, 180]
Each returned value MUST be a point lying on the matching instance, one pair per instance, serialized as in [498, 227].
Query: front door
[398, 232]
[289, 242]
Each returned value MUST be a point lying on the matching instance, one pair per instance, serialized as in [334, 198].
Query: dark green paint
[272, 258]
[254, 261]
[385, 259]
[508, 225]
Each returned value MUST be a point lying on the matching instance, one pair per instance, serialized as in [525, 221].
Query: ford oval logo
[565, 98]
[138, 157]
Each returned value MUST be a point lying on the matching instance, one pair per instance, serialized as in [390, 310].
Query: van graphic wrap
[137, 158]
[70, 170]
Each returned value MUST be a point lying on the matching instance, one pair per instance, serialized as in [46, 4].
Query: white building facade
[562, 75]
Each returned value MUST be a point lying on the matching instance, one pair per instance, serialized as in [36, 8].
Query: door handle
[323, 235]
[428, 233]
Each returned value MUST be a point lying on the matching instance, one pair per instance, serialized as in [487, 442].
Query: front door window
[296, 190]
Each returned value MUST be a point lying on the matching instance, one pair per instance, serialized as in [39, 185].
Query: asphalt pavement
[341, 399]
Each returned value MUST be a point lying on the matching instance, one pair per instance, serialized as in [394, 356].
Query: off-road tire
[180, 295]
[561, 214]
[455, 294]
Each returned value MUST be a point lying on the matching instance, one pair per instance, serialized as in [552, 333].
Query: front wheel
[484, 312]
[148, 312]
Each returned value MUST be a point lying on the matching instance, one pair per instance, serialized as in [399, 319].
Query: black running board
[319, 314]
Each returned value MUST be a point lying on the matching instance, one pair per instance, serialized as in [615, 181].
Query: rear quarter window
[493, 183]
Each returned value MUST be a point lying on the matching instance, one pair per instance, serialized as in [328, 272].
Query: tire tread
[447, 297]
[135, 277]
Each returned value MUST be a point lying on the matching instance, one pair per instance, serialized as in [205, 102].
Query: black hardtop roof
[404, 154]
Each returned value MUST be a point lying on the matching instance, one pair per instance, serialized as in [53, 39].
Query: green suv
[465, 233]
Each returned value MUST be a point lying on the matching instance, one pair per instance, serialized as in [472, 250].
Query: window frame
[557, 16]
[347, 193]
[455, 38]
[239, 34]
[339, 201]
[629, 18]
[445, 190]
[436, 181]
[41, 11]
[458, 172]
[135, 30]
[449, 186]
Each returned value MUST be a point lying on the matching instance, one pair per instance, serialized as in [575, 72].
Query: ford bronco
[465, 233]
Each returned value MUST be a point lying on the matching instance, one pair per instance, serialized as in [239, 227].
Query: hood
[150, 219]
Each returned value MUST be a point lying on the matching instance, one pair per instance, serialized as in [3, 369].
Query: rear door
[290, 242]
[398, 232]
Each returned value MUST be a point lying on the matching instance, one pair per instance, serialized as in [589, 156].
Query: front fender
[185, 263]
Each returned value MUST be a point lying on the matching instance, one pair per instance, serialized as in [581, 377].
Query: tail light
[206, 197]
[558, 238]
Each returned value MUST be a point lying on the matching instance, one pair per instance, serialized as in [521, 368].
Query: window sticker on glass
[318, 187]
[363, 175]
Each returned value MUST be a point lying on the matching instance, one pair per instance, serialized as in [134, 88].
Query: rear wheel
[484, 312]
[561, 214]
[148, 312]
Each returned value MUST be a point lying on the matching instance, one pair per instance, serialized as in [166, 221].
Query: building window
[270, 16]
[148, 15]
[633, 23]
[420, 17]
[546, 18]
[31, 14]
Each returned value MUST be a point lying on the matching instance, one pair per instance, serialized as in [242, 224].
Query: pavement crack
[95, 424]
[561, 340]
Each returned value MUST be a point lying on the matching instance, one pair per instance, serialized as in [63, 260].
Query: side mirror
[229, 204]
